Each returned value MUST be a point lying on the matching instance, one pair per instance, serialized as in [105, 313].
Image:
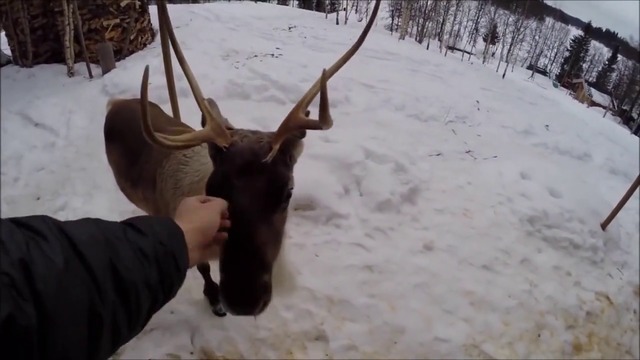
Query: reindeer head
[253, 171]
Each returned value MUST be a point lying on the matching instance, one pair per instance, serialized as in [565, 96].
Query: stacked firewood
[46, 31]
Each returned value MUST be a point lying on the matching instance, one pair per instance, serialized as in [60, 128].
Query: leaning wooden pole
[80, 33]
[621, 203]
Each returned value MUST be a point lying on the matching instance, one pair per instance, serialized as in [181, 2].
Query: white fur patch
[110, 103]
[283, 278]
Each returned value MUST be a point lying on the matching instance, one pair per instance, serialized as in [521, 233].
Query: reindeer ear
[291, 147]
[215, 153]
[217, 113]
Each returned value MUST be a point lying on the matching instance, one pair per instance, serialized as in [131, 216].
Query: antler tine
[296, 119]
[213, 130]
[176, 142]
[168, 66]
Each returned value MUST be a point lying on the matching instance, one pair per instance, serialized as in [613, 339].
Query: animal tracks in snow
[552, 191]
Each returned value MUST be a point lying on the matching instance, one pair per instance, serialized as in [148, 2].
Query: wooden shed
[47, 31]
[581, 91]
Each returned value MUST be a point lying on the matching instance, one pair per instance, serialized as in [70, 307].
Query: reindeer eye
[287, 195]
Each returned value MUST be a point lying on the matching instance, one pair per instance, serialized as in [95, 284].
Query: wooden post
[83, 45]
[105, 54]
[620, 204]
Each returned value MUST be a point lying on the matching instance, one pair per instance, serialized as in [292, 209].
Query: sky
[621, 16]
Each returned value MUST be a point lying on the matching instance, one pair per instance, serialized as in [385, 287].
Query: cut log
[45, 28]
[107, 58]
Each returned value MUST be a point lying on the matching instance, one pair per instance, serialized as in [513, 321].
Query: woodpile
[39, 31]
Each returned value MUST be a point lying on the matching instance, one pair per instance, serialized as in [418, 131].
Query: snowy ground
[448, 212]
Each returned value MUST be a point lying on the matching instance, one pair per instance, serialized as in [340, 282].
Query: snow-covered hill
[448, 213]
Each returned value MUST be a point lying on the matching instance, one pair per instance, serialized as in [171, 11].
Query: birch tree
[559, 39]
[453, 25]
[595, 60]
[518, 32]
[434, 23]
[505, 27]
[548, 27]
[446, 9]
[422, 21]
[404, 22]
[491, 24]
[481, 6]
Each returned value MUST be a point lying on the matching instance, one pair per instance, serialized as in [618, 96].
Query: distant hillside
[607, 37]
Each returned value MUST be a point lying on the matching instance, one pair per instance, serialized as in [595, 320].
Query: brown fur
[253, 170]
[140, 168]
[155, 180]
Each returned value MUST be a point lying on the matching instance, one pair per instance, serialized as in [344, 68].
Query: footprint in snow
[525, 175]
[554, 193]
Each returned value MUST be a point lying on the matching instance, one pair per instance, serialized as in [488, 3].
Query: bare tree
[623, 83]
[348, 9]
[598, 56]
[422, 20]
[532, 39]
[518, 33]
[395, 13]
[433, 25]
[465, 20]
[490, 24]
[547, 28]
[366, 14]
[406, 16]
[453, 25]
[559, 40]
[506, 24]
[479, 13]
[445, 14]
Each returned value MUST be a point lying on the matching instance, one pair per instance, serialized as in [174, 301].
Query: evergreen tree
[334, 5]
[306, 4]
[320, 5]
[603, 79]
[492, 36]
[573, 62]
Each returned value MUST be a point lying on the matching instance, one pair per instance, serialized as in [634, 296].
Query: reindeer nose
[260, 309]
[246, 309]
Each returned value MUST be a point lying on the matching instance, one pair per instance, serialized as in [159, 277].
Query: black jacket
[81, 289]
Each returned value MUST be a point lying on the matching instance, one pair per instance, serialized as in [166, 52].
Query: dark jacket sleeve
[81, 289]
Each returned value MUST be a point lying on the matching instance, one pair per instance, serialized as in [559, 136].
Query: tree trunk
[453, 25]
[404, 22]
[443, 24]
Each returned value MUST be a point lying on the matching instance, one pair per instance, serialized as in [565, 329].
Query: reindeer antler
[297, 119]
[213, 130]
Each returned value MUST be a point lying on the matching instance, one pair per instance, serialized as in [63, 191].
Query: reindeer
[157, 160]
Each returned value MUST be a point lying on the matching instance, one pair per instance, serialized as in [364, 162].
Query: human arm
[83, 288]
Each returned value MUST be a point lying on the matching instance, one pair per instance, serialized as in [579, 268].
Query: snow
[599, 97]
[448, 213]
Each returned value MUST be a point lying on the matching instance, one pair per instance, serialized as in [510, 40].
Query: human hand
[201, 219]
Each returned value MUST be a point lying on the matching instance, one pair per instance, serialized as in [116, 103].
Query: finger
[220, 205]
[203, 199]
[225, 214]
[211, 252]
[219, 238]
[225, 224]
